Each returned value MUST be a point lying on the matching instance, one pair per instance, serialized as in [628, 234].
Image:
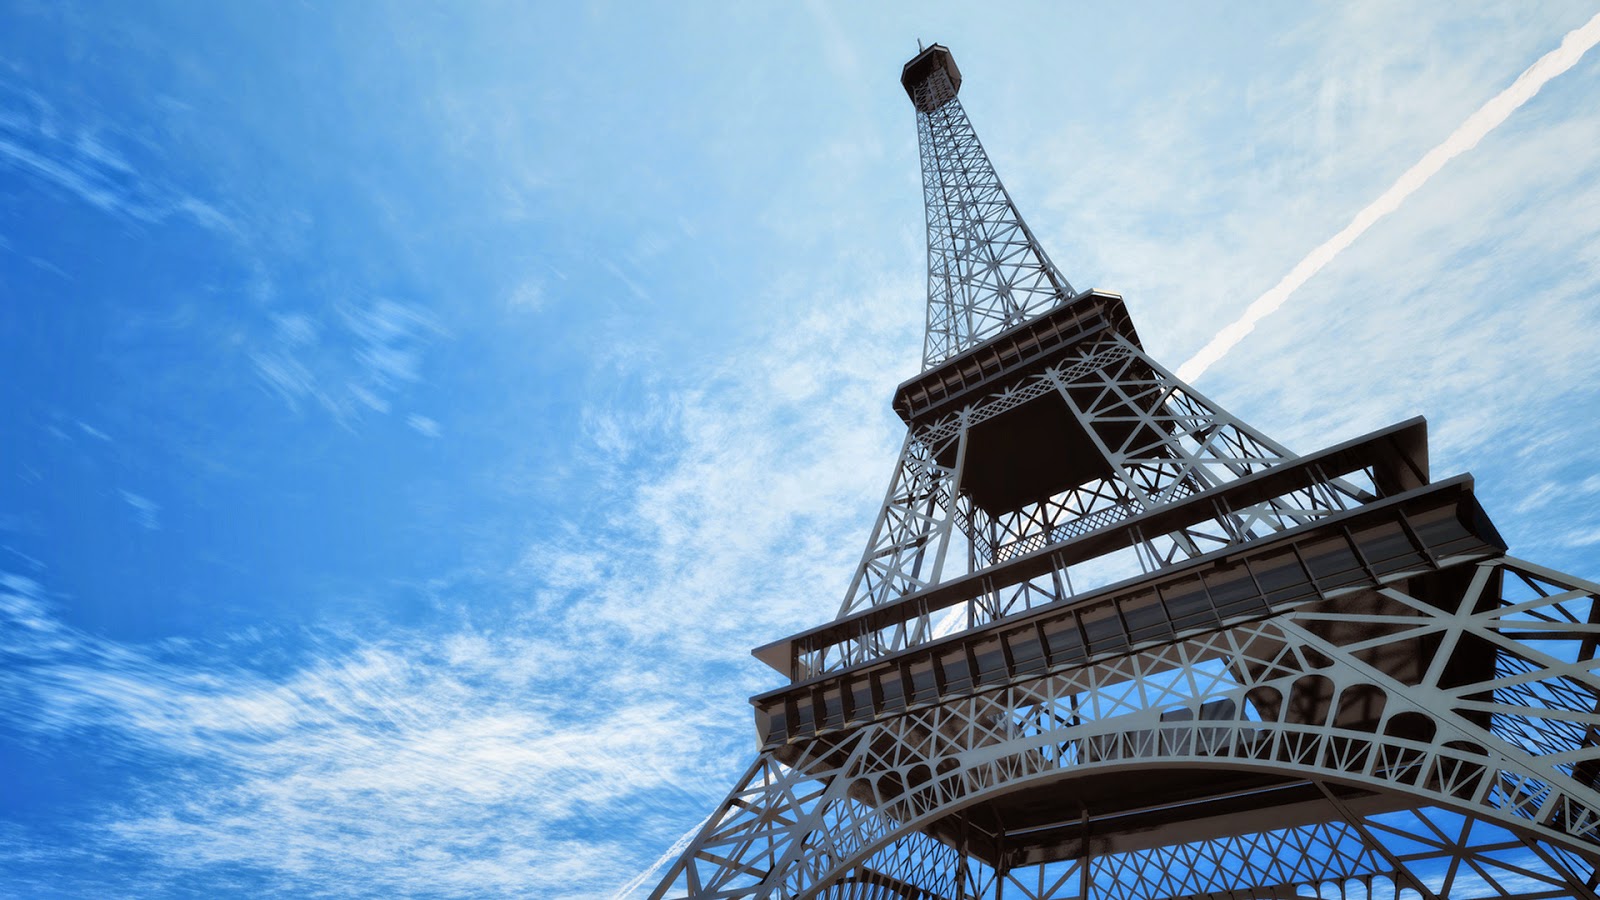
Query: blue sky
[414, 413]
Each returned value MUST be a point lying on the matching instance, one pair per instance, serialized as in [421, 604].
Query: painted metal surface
[1107, 640]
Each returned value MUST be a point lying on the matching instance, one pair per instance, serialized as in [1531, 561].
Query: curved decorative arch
[1297, 695]
[848, 867]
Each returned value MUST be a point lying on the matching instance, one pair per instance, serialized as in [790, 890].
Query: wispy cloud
[358, 358]
[1477, 126]
[146, 512]
[93, 432]
[1586, 537]
[466, 763]
[345, 355]
[633, 286]
[529, 296]
[558, 753]
[646, 878]
[423, 425]
[36, 141]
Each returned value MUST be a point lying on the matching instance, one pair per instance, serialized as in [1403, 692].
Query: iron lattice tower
[1109, 641]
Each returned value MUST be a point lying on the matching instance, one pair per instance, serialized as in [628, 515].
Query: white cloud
[146, 511]
[558, 754]
[1584, 538]
[529, 296]
[360, 359]
[85, 163]
[466, 764]
[93, 432]
[633, 286]
[295, 329]
[423, 425]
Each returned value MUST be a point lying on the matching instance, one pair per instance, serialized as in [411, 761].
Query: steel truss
[986, 273]
[1162, 441]
[1427, 784]
[1109, 641]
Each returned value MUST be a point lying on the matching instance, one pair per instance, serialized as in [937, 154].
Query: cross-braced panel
[1167, 441]
[911, 537]
[1326, 680]
[986, 273]
[1157, 441]
[1164, 442]
[1474, 692]
[1421, 853]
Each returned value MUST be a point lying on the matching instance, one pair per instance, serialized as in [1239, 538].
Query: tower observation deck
[1107, 640]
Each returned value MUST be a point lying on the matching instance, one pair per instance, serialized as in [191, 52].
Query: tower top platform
[936, 57]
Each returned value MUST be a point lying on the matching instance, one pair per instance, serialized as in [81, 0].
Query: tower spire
[986, 271]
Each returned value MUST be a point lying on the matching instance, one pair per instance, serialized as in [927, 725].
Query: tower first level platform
[1018, 642]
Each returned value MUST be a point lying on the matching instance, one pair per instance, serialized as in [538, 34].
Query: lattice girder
[1108, 640]
[986, 272]
[1159, 442]
[1313, 695]
[1044, 575]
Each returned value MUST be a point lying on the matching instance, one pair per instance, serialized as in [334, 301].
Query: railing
[839, 684]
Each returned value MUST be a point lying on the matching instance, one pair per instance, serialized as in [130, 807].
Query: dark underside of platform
[1154, 803]
[1139, 801]
[1030, 454]
[1131, 810]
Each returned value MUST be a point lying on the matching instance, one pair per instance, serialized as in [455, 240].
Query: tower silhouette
[1109, 641]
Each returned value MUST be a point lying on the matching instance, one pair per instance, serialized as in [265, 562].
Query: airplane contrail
[672, 853]
[1488, 117]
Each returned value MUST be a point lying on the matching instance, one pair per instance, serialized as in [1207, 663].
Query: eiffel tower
[1109, 641]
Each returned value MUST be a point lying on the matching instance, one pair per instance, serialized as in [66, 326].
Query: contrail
[1488, 117]
[671, 854]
